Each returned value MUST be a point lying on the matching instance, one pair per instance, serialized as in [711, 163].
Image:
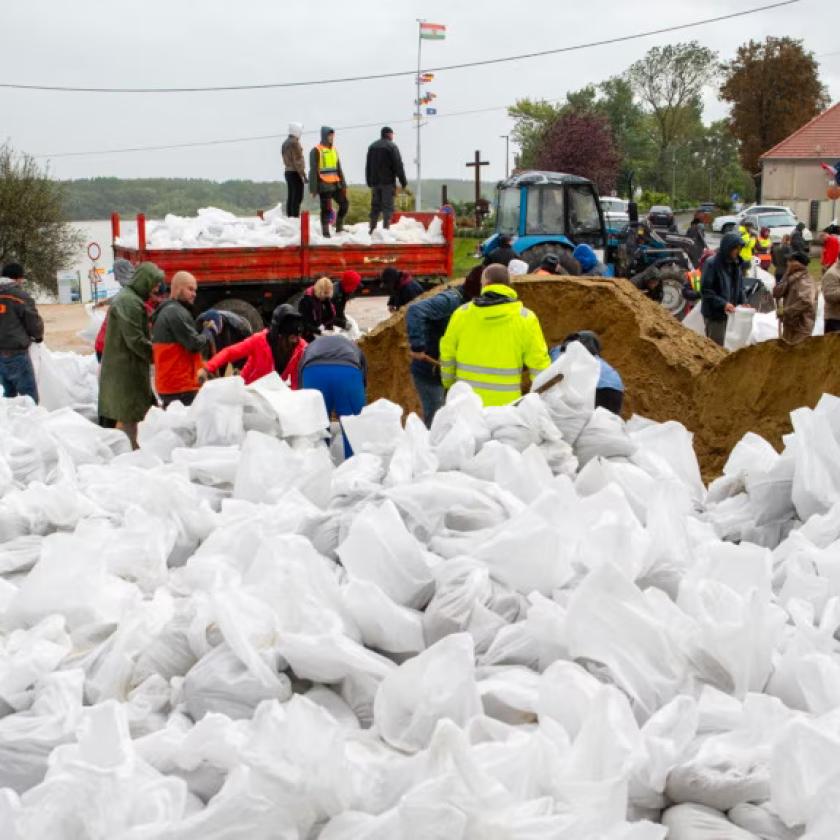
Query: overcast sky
[222, 42]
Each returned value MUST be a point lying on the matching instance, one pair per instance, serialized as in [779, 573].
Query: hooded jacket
[20, 323]
[404, 288]
[798, 293]
[426, 322]
[798, 241]
[722, 280]
[125, 388]
[384, 166]
[176, 348]
[590, 265]
[259, 359]
[315, 184]
[293, 151]
[488, 344]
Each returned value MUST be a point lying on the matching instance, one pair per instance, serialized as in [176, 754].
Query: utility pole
[477, 163]
[417, 117]
[674, 184]
[506, 138]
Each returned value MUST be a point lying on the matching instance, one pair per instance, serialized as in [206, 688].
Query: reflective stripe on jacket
[328, 164]
[489, 343]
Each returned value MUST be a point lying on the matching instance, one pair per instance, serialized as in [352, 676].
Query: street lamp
[506, 138]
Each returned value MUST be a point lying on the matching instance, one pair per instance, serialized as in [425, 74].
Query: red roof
[819, 138]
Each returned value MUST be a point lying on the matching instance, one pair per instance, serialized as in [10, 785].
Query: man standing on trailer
[326, 180]
[295, 169]
[383, 168]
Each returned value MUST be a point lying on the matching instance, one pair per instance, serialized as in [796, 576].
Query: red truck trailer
[252, 281]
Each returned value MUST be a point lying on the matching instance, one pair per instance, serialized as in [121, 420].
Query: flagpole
[418, 188]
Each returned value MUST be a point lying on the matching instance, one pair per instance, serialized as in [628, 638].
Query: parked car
[707, 208]
[661, 217]
[615, 211]
[779, 223]
[723, 224]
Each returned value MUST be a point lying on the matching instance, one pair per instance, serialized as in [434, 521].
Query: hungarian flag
[432, 31]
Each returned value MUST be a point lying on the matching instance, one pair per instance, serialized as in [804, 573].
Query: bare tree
[668, 82]
[33, 230]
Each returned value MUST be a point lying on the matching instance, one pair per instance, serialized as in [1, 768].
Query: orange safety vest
[328, 164]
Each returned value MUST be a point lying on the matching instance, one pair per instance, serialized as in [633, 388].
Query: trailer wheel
[244, 309]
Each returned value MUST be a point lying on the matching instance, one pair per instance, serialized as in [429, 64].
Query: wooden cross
[477, 164]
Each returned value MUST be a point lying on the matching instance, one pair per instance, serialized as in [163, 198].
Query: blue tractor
[549, 212]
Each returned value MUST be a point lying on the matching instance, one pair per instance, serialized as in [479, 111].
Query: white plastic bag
[738, 328]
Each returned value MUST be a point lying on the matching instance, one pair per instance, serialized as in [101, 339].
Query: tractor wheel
[243, 309]
[534, 256]
[673, 278]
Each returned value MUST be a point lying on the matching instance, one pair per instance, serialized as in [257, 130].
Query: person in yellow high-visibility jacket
[749, 239]
[490, 341]
[326, 180]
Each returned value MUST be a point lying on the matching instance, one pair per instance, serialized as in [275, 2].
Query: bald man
[177, 344]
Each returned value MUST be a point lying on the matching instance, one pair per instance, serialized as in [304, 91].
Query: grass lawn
[463, 258]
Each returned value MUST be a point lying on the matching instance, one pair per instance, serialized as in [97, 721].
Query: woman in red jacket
[278, 348]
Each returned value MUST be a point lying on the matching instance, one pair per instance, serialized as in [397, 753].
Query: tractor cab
[545, 212]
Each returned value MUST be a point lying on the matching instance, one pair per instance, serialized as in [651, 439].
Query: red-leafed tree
[582, 143]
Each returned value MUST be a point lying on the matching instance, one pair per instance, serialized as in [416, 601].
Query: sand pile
[669, 372]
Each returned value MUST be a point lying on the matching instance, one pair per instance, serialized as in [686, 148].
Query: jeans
[382, 201]
[432, 396]
[17, 376]
[343, 390]
[716, 330]
[294, 196]
[340, 198]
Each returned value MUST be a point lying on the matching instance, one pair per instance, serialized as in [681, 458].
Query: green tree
[532, 120]
[33, 230]
[773, 88]
[668, 82]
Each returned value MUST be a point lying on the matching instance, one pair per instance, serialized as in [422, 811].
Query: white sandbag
[378, 548]
[762, 822]
[28, 737]
[377, 429]
[697, 822]
[738, 328]
[611, 621]
[694, 320]
[604, 435]
[298, 413]
[413, 457]
[220, 682]
[721, 786]
[70, 582]
[217, 412]
[438, 683]
[571, 401]
[384, 625]
[816, 478]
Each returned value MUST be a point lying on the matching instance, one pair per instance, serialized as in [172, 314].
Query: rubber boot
[325, 231]
[339, 225]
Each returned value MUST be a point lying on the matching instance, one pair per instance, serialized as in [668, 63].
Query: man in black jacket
[722, 287]
[384, 167]
[20, 325]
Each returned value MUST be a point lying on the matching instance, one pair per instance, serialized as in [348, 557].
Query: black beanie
[386, 130]
[801, 257]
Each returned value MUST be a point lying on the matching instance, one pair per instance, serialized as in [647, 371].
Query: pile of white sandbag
[215, 228]
[528, 622]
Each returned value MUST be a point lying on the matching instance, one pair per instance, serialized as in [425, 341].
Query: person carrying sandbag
[797, 293]
[722, 287]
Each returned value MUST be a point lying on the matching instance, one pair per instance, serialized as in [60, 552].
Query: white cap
[516, 268]
[296, 129]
